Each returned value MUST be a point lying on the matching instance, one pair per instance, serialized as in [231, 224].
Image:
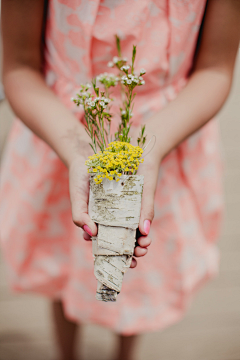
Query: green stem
[129, 104]
[102, 130]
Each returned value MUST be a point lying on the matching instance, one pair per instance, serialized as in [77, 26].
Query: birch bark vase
[115, 207]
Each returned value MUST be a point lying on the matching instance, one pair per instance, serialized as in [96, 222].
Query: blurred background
[211, 329]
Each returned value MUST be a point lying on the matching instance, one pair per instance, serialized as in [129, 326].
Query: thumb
[147, 212]
[82, 219]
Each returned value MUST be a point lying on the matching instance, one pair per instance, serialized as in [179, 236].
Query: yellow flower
[116, 158]
[117, 180]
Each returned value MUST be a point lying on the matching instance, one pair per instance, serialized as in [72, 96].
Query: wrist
[75, 159]
[75, 148]
[161, 142]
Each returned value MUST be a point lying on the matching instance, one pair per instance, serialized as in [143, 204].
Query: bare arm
[36, 105]
[203, 96]
[211, 79]
[32, 101]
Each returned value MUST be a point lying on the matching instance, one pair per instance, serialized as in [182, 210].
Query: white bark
[115, 206]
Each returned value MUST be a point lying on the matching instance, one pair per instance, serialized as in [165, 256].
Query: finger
[147, 210]
[139, 251]
[150, 170]
[133, 264]
[79, 193]
[144, 241]
[146, 219]
[86, 236]
[84, 221]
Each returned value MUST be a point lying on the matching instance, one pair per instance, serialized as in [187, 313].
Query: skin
[41, 110]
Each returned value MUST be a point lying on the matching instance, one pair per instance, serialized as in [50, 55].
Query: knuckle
[76, 220]
[151, 213]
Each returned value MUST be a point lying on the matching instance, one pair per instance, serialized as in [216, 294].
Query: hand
[149, 168]
[79, 194]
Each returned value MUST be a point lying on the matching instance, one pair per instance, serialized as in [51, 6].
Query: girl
[186, 85]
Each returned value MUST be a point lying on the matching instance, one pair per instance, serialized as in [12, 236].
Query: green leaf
[133, 57]
[93, 148]
[118, 45]
[87, 131]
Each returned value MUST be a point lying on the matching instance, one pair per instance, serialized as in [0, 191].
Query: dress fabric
[44, 250]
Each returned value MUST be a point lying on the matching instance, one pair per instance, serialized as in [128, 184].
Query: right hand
[79, 194]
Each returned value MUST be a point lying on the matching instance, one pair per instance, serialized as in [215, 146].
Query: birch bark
[115, 207]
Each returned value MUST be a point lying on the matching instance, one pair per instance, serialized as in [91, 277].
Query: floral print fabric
[44, 250]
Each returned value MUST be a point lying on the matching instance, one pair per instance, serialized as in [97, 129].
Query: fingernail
[146, 226]
[87, 229]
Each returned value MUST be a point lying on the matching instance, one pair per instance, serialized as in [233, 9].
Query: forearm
[42, 111]
[196, 104]
[210, 82]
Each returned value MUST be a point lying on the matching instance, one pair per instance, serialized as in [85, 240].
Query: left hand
[149, 168]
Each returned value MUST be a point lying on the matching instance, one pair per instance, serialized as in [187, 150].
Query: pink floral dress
[44, 250]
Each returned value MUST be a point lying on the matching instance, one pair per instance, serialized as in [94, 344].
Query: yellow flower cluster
[117, 159]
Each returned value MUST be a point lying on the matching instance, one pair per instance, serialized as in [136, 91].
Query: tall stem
[102, 130]
[129, 104]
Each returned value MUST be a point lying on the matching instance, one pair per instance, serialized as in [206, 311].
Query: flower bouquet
[115, 188]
